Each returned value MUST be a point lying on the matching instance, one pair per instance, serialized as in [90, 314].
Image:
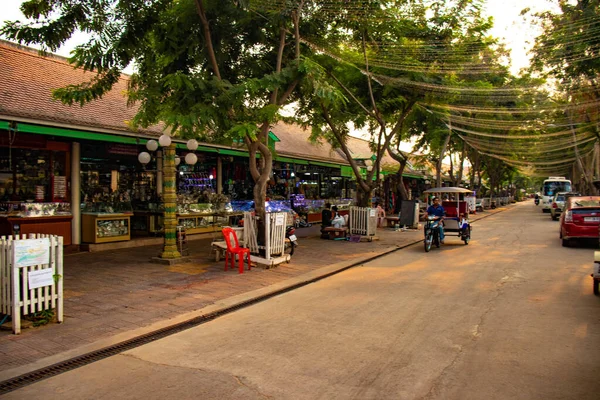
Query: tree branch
[373, 103]
[345, 149]
[369, 112]
[207, 38]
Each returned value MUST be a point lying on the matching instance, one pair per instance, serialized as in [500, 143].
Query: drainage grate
[30, 378]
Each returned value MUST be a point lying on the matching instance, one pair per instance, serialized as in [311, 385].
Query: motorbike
[537, 200]
[432, 232]
[291, 241]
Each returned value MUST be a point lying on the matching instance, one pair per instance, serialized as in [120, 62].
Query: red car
[580, 219]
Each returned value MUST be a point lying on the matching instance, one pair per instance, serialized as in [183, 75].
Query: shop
[34, 189]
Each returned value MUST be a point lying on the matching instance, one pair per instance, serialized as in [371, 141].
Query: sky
[508, 26]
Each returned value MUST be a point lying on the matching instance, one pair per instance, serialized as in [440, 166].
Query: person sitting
[380, 215]
[438, 211]
[337, 221]
[326, 217]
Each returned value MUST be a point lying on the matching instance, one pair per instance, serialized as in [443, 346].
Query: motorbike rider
[437, 210]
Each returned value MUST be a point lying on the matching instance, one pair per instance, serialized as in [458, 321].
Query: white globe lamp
[144, 157]
[191, 158]
[192, 144]
[177, 160]
[369, 168]
[164, 140]
[152, 145]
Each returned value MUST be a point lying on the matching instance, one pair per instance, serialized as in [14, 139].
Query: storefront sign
[60, 187]
[40, 193]
[31, 252]
[115, 148]
[40, 278]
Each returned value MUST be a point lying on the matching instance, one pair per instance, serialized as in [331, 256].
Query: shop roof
[295, 142]
[28, 78]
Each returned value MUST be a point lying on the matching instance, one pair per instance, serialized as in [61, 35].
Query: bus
[553, 185]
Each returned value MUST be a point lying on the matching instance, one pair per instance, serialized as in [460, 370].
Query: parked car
[580, 219]
[558, 203]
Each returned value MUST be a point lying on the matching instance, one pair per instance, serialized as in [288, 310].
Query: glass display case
[44, 209]
[103, 227]
[205, 217]
[106, 221]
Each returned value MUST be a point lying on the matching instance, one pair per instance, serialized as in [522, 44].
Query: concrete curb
[216, 307]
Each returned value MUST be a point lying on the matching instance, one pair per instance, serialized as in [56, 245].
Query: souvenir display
[108, 228]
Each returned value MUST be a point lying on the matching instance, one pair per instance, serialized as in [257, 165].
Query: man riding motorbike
[438, 211]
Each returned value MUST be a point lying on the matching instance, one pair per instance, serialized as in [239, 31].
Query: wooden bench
[335, 233]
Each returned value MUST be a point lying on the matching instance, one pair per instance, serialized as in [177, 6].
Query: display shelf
[104, 228]
[204, 223]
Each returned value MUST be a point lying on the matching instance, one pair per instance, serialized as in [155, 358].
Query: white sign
[372, 212]
[40, 278]
[279, 220]
[31, 252]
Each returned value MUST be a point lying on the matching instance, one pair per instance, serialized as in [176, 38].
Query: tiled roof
[26, 83]
[28, 78]
[295, 142]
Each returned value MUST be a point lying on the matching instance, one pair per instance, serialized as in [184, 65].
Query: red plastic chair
[233, 249]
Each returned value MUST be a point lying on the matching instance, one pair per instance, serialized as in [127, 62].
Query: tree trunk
[461, 166]
[438, 167]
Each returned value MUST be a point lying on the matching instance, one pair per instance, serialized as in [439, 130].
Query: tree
[390, 56]
[568, 52]
[217, 70]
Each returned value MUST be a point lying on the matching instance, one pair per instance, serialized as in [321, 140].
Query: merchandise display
[110, 228]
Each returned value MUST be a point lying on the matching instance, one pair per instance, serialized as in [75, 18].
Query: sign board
[60, 187]
[372, 212]
[279, 220]
[31, 252]
[40, 278]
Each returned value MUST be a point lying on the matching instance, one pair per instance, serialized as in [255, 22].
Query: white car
[558, 203]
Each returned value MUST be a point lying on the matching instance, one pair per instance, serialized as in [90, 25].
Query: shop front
[34, 185]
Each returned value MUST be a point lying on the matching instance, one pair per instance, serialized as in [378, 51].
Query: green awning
[413, 176]
[347, 171]
[76, 134]
[324, 164]
[4, 125]
[291, 160]
[229, 152]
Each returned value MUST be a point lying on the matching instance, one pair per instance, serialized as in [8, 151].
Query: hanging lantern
[164, 140]
[192, 144]
[144, 157]
[177, 160]
[152, 145]
[369, 168]
[191, 158]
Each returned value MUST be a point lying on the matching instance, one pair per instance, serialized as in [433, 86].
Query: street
[510, 316]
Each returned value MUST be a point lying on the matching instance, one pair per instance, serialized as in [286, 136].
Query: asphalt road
[510, 316]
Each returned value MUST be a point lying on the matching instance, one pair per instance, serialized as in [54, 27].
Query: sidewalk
[117, 295]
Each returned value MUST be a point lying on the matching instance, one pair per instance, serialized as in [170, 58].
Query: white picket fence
[275, 227]
[363, 221]
[16, 297]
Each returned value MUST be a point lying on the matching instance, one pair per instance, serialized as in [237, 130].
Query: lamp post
[170, 251]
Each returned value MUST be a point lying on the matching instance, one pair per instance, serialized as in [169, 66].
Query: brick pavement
[113, 292]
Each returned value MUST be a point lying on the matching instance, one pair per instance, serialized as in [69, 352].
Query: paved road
[510, 316]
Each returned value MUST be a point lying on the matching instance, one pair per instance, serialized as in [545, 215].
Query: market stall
[29, 218]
